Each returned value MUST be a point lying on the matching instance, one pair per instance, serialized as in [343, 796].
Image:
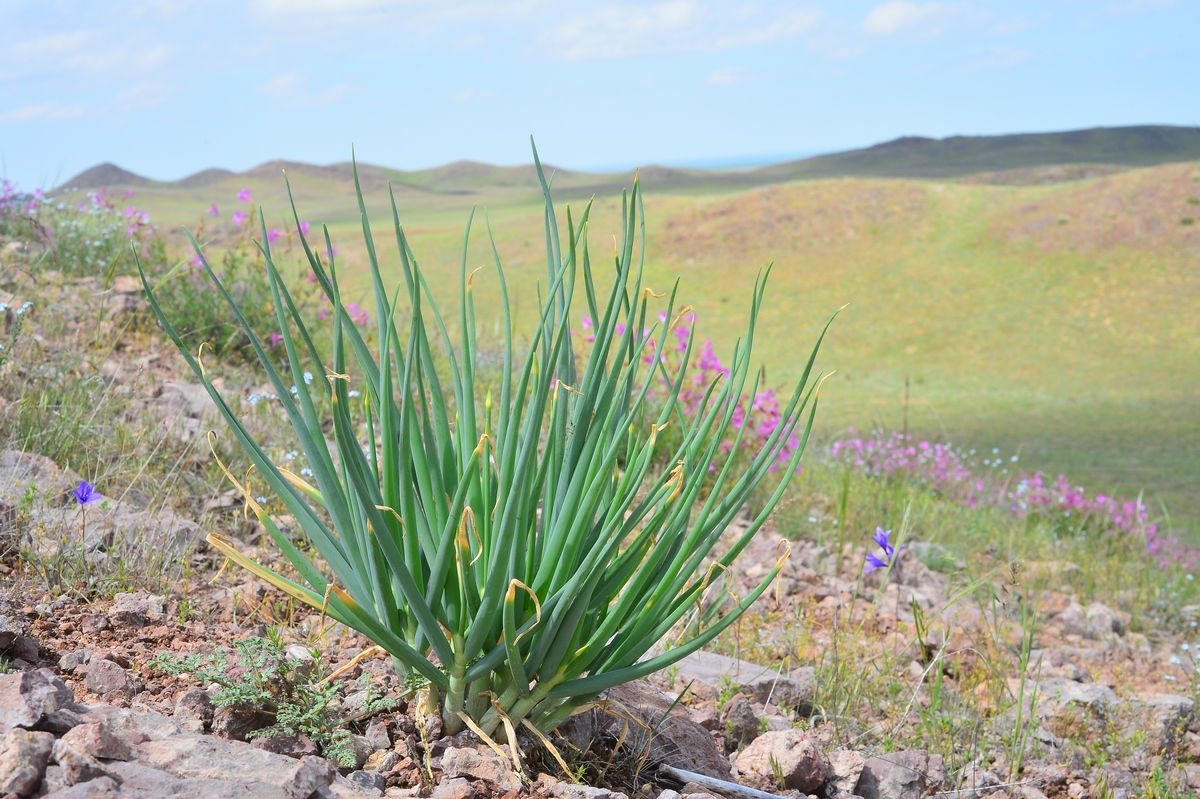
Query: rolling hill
[1045, 309]
[1017, 157]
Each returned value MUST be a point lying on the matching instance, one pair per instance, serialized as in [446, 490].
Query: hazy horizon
[165, 89]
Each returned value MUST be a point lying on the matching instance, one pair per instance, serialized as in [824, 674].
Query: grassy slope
[1057, 321]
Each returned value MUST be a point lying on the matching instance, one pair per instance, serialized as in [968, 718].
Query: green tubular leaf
[442, 503]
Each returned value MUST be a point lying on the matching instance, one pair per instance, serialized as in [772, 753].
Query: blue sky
[168, 88]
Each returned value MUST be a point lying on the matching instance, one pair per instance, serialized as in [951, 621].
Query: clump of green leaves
[524, 549]
[259, 675]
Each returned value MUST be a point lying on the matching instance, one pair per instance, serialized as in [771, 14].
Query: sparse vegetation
[944, 648]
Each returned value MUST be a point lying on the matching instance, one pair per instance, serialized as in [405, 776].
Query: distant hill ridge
[905, 157]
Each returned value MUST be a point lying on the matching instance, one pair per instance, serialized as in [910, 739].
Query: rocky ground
[82, 715]
[1035, 695]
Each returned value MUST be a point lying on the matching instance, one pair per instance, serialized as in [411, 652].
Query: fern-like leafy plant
[524, 550]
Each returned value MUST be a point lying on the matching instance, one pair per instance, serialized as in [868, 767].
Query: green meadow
[1058, 323]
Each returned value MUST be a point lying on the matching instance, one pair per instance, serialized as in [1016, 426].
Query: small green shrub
[259, 676]
[521, 552]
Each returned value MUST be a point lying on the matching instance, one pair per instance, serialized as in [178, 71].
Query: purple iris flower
[882, 539]
[86, 493]
[213, 210]
[873, 563]
[244, 196]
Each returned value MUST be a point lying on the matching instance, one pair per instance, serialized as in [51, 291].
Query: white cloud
[619, 31]
[467, 95]
[51, 111]
[1140, 6]
[58, 44]
[146, 94]
[1000, 58]
[729, 76]
[615, 31]
[900, 16]
[786, 27]
[290, 90]
[281, 86]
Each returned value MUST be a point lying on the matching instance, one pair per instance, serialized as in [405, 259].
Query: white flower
[1170, 677]
[353, 392]
[308, 378]
[1175, 660]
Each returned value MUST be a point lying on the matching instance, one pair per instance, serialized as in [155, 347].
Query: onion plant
[524, 550]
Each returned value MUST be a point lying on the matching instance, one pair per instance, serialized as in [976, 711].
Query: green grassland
[1058, 322]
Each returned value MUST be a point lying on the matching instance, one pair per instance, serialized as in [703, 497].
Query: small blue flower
[308, 378]
[882, 539]
[354, 393]
[253, 399]
[873, 563]
[306, 471]
[86, 493]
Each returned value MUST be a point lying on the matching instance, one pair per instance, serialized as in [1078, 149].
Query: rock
[1166, 719]
[301, 656]
[367, 781]
[678, 741]
[50, 523]
[105, 677]
[802, 764]
[196, 700]
[235, 723]
[23, 758]
[979, 783]
[846, 766]
[9, 630]
[907, 774]
[27, 698]
[126, 284]
[296, 746]
[94, 624]
[1021, 792]
[742, 725]
[309, 775]
[77, 766]
[382, 761]
[24, 648]
[99, 788]
[1045, 665]
[363, 749]
[486, 766]
[794, 691]
[433, 726]
[707, 717]
[129, 610]
[73, 660]
[565, 790]
[1094, 621]
[456, 788]
[377, 736]
[194, 710]
[1070, 707]
[96, 740]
